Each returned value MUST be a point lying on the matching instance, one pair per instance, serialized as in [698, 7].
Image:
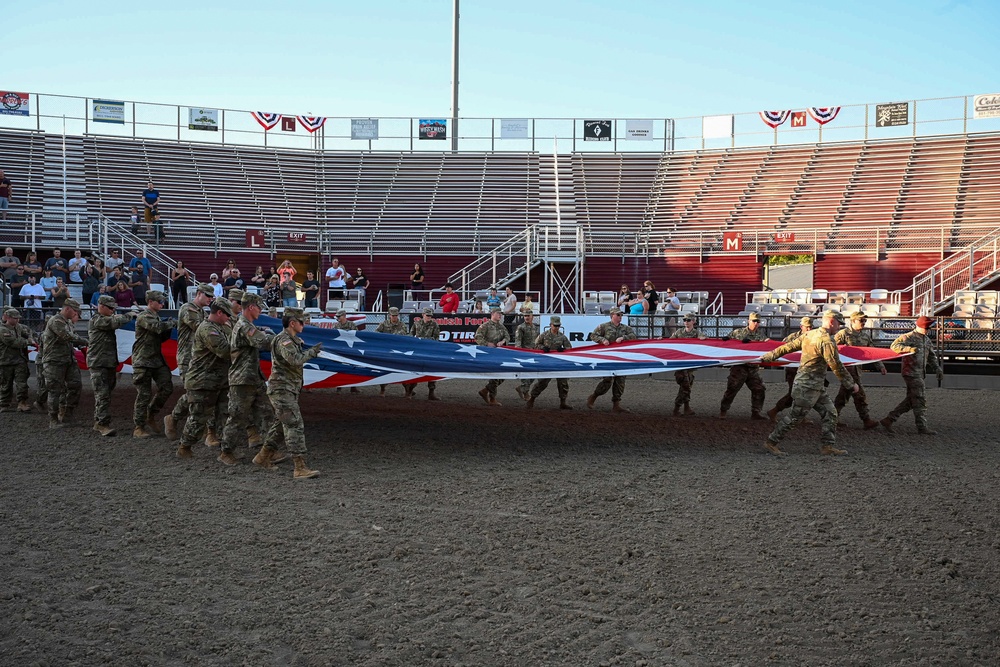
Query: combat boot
[495, 403]
[263, 458]
[563, 404]
[830, 450]
[722, 414]
[301, 471]
[141, 432]
[278, 456]
[887, 425]
[104, 430]
[756, 416]
[355, 390]
[62, 414]
[184, 452]
[430, 395]
[677, 410]
[772, 414]
[253, 438]
[227, 458]
[688, 410]
[211, 439]
[530, 403]
[152, 426]
[484, 393]
[591, 400]
[24, 406]
[7, 408]
[41, 405]
[54, 423]
[773, 448]
[408, 391]
[170, 427]
[521, 393]
[870, 423]
[381, 391]
[926, 431]
[616, 406]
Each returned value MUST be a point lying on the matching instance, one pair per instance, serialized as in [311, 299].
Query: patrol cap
[206, 289]
[615, 311]
[295, 314]
[555, 320]
[806, 320]
[219, 303]
[392, 311]
[834, 315]
[341, 312]
[858, 315]
[494, 309]
[108, 301]
[15, 313]
[428, 311]
[236, 295]
[754, 317]
[253, 300]
[923, 321]
[72, 303]
[154, 295]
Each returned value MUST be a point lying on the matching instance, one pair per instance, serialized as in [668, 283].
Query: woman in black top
[179, 283]
[272, 293]
[417, 277]
[649, 292]
[91, 281]
[259, 279]
[361, 284]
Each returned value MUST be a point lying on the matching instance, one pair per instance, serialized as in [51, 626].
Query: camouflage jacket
[150, 333]
[796, 334]
[102, 347]
[525, 335]
[694, 333]
[59, 340]
[492, 332]
[818, 353]
[208, 368]
[13, 345]
[922, 361]
[862, 338]
[552, 341]
[386, 326]
[188, 319]
[346, 326]
[245, 345]
[429, 330]
[611, 333]
[745, 333]
[287, 359]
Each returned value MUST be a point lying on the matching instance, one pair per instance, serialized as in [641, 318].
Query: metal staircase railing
[503, 264]
[934, 289]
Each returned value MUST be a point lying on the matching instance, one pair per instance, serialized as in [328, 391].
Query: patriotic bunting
[267, 120]
[774, 118]
[311, 123]
[823, 115]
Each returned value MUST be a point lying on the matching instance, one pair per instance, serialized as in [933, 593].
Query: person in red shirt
[449, 302]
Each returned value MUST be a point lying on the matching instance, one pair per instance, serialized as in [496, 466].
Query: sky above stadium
[544, 58]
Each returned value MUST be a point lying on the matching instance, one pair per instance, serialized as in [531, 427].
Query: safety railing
[934, 289]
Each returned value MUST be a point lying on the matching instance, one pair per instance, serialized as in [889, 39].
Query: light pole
[454, 78]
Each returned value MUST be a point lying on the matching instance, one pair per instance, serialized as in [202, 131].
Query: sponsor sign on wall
[364, 129]
[892, 115]
[106, 111]
[641, 130]
[434, 128]
[514, 128]
[203, 119]
[597, 130]
[986, 106]
[14, 104]
[461, 327]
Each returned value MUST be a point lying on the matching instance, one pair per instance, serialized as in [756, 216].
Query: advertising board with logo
[986, 106]
[892, 115]
[364, 129]
[15, 104]
[203, 119]
[597, 130]
[514, 128]
[434, 129]
[106, 111]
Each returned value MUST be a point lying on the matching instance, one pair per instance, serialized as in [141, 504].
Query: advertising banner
[106, 111]
[14, 104]
[514, 128]
[203, 119]
[892, 115]
[461, 327]
[717, 127]
[639, 130]
[986, 106]
[434, 128]
[597, 130]
[364, 129]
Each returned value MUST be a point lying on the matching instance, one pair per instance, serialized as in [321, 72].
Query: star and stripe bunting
[774, 118]
[311, 123]
[823, 115]
[267, 120]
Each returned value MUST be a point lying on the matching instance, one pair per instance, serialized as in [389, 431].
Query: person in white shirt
[338, 277]
[33, 294]
[509, 308]
[672, 304]
[76, 265]
[113, 261]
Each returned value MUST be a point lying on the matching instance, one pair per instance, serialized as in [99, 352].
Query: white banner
[641, 130]
[203, 119]
[105, 111]
[364, 129]
[717, 127]
[986, 106]
[514, 128]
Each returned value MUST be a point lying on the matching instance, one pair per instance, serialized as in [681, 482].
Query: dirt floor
[452, 533]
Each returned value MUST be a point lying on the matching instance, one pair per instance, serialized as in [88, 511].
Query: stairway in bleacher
[57, 206]
[557, 198]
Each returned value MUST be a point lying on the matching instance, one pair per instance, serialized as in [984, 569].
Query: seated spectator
[32, 267]
[32, 294]
[272, 292]
[115, 277]
[9, 263]
[289, 293]
[311, 288]
[139, 282]
[258, 279]
[450, 300]
[228, 271]
[57, 265]
[478, 308]
[59, 293]
[16, 282]
[232, 281]
[124, 296]
[528, 303]
[48, 282]
[286, 271]
[76, 266]
[213, 280]
[672, 303]
[101, 291]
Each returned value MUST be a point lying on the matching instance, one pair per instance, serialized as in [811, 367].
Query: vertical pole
[77, 230]
[133, 120]
[914, 118]
[38, 113]
[493, 134]
[178, 122]
[532, 135]
[965, 114]
[34, 222]
[555, 171]
[65, 206]
[666, 122]
[972, 261]
[454, 77]
[866, 122]
[223, 128]
[86, 118]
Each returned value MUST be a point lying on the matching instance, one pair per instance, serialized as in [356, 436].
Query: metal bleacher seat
[819, 296]
[856, 297]
[849, 309]
[410, 307]
[768, 308]
[332, 306]
[966, 296]
[889, 310]
[986, 310]
[592, 309]
[871, 309]
[760, 297]
[965, 310]
[800, 295]
[987, 298]
[879, 295]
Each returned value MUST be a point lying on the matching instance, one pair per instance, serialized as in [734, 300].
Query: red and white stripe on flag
[267, 120]
[311, 123]
[823, 115]
[774, 118]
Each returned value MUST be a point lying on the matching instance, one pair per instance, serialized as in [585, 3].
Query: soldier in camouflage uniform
[42, 393]
[492, 333]
[14, 341]
[346, 325]
[605, 334]
[819, 352]
[287, 359]
[149, 366]
[190, 315]
[62, 373]
[102, 360]
[855, 335]
[748, 374]
[236, 301]
[805, 326]
[552, 340]
[685, 379]
[207, 380]
[247, 396]
[392, 325]
[914, 369]
[525, 336]
[217, 420]
[427, 329]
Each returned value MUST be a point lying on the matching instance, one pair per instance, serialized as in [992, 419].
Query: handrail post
[34, 223]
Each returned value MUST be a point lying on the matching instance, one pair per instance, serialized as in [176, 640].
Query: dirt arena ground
[453, 533]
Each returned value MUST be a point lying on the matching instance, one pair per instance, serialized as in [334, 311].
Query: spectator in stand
[272, 292]
[672, 305]
[228, 271]
[150, 205]
[116, 276]
[59, 294]
[101, 291]
[311, 289]
[638, 305]
[32, 294]
[624, 296]
[213, 280]
[141, 260]
[417, 277]
[32, 267]
[509, 308]
[493, 300]
[92, 282]
[449, 301]
[133, 220]
[124, 297]
[258, 279]
[650, 294]
[286, 271]
[289, 293]
[48, 283]
[271, 271]
[337, 279]
[234, 281]
[528, 303]
[139, 282]
[361, 284]
[6, 194]
[9, 263]
[98, 265]
[179, 281]
[16, 282]
[113, 261]
[57, 265]
[478, 308]
[76, 264]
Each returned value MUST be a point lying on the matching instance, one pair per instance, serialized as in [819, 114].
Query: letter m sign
[732, 241]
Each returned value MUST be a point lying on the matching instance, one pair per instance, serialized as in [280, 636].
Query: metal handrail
[934, 289]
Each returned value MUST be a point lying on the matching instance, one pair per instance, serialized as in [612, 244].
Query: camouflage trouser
[206, 407]
[615, 384]
[146, 405]
[104, 380]
[804, 400]
[63, 384]
[738, 376]
[491, 387]
[181, 408]
[685, 380]
[412, 386]
[562, 384]
[526, 386]
[915, 400]
[860, 399]
[289, 428]
[43, 391]
[786, 400]
[13, 383]
[248, 406]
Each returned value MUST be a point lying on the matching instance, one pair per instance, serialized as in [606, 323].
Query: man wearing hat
[748, 374]
[855, 335]
[62, 374]
[805, 326]
[552, 340]
[102, 359]
[149, 366]
[605, 334]
[287, 359]
[190, 315]
[524, 337]
[391, 325]
[427, 328]
[685, 379]
[14, 341]
[819, 352]
[914, 369]
[236, 301]
[492, 333]
[206, 382]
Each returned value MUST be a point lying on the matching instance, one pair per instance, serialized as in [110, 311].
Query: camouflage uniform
[685, 378]
[347, 325]
[428, 331]
[102, 360]
[862, 338]
[397, 328]
[748, 374]
[188, 318]
[14, 341]
[914, 369]
[149, 366]
[819, 352]
[492, 332]
[207, 380]
[786, 400]
[547, 342]
[247, 397]
[524, 337]
[62, 373]
[287, 359]
[607, 331]
[42, 393]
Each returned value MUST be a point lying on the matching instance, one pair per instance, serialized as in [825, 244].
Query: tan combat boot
[563, 405]
[773, 448]
[870, 424]
[772, 414]
[24, 406]
[616, 406]
[521, 393]
[495, 403]
[55, 423]
[253, 438]
[152, 426]
[211, 439]
[301, 471]
[184, 452]
[170, 427]
[263, 458]
[141, 432]
[887, 425]
[755, 414]
[227, 458]
[104, 430]
[484, 393]
[591, 400]
[677, 410]
[530, 403]
[831, 450]
[381, 391]
[430, 395]
[688, 410]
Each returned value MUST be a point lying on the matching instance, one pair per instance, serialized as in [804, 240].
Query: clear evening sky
[541, 58]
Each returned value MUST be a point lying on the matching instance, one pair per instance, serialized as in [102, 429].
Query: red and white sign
[288, 123]
[732, 241]
[255, 238]
[798, 119]
[784, 237]
[296, 237]
[15, 104]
